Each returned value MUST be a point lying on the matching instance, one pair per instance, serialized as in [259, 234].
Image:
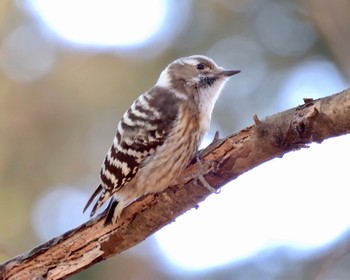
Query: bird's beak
[228, 73]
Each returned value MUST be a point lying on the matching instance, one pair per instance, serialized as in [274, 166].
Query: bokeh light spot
[282, 32]
[103, 22]
[25, 55]
[58, 210]
[311, 79]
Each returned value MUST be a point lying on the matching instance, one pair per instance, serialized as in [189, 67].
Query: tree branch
[222, 161]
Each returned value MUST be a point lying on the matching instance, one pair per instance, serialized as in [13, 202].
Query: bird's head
[194, 74]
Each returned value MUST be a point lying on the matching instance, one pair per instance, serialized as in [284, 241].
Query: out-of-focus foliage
[59, 106]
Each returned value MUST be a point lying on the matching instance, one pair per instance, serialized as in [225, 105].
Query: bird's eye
[200, 66]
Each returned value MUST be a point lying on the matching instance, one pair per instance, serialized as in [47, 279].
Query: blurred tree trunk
[222, 161]
[333, 23]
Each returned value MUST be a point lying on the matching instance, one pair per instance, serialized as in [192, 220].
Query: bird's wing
[141, 131]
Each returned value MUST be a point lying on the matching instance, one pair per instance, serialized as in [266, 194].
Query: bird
[160, 134]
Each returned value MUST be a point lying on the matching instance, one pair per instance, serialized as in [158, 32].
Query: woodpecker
[159, 134]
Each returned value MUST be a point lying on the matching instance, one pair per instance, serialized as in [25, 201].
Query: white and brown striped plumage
[160, 133]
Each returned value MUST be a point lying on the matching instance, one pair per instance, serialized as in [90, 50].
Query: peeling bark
[222, 161]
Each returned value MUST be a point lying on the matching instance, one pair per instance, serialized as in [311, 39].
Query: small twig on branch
[222, 161]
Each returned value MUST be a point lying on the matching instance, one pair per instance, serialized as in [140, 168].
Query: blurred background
[70, 68]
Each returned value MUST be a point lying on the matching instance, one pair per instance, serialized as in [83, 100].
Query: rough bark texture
[221, 162]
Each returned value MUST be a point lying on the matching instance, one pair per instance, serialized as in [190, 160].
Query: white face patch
[189, 61]
[180, 95]
[195, 59]
[164, 79]
[197, 79]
